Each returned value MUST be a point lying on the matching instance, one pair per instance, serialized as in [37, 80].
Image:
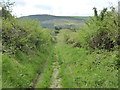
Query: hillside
[50, 21]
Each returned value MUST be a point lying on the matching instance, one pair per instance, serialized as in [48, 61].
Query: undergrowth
[82, 69]
[22, 70]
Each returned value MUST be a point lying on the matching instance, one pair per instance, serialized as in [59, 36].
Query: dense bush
[104, 29]
[94, 62]
[26, 48]
[101, 31]
[23, 35]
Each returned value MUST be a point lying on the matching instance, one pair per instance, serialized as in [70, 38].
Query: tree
[6, 9]
[95, 12]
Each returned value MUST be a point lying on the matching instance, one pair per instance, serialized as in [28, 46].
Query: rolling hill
[51, 21]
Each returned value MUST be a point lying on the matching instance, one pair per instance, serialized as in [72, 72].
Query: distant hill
[50, 21]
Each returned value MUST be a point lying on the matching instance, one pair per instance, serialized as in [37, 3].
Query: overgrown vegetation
[81, 68]
[88, 56]
[26, 47]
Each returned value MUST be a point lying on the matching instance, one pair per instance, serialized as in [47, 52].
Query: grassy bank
[82, 69]
[26, 47]
[21, 70]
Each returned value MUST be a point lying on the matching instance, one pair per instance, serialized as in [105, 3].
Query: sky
[59, 7]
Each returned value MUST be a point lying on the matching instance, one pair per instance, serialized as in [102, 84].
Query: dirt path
[56, 82]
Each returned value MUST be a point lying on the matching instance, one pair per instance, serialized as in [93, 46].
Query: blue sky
[59, 7]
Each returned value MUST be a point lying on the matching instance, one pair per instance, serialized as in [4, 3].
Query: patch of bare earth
[56, 82]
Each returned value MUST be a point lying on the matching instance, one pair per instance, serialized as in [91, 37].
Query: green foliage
[89, 57]
[22, 70]
[23, 35]
[82, 69]
[6, 9]
[101, 31]
[26, 47]
[25, 50]
[106, 22]
[26, 43]
[58, 28]
[85, 56]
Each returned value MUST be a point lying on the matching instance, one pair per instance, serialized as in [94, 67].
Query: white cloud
[59, 7]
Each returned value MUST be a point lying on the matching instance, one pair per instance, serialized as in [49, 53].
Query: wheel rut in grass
[39, 75]
[55, 81]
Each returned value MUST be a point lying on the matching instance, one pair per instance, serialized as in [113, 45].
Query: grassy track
[39, 75]
[84, 57]
[55, 80]
[49, 76]
[44, 79]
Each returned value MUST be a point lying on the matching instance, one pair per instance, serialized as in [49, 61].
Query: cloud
[20, 3]
[44, 7]
[59, 7]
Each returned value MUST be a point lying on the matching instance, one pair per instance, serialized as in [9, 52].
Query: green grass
[45, 78]
[82, 69]
[21, 70]
[88, 55]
